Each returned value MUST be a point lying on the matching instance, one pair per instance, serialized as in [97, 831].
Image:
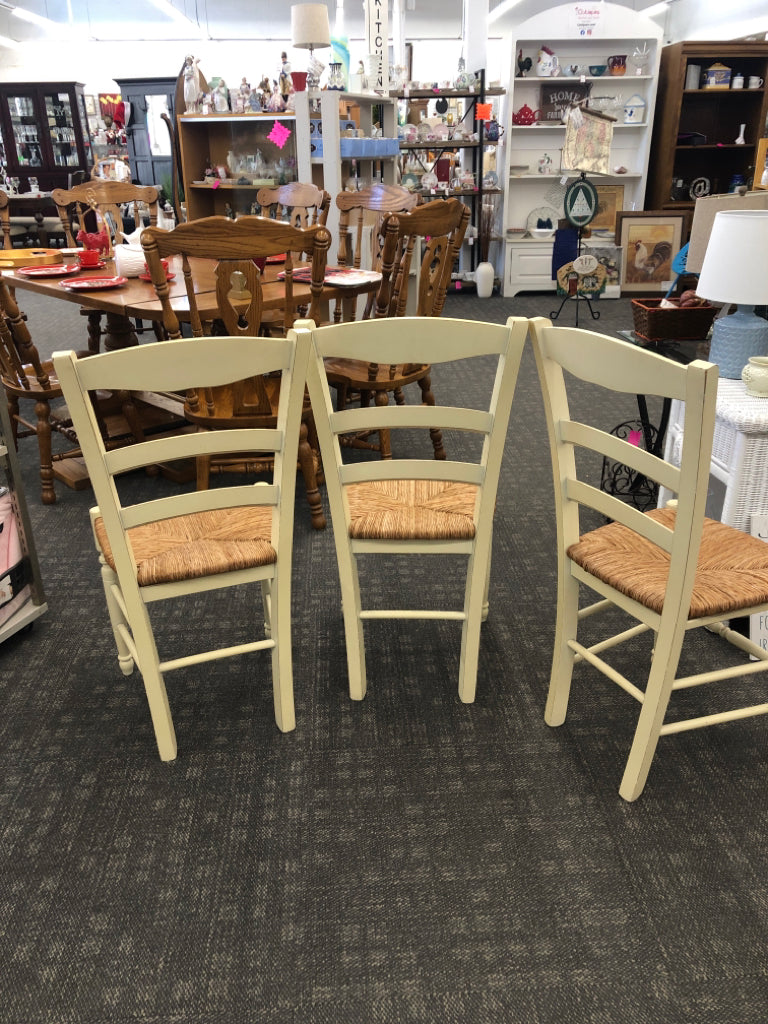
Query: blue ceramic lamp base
[737, 337]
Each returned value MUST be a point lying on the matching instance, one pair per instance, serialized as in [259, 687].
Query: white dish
[543, 217]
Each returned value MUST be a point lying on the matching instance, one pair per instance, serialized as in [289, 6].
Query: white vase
[484, 275]
[755, 376]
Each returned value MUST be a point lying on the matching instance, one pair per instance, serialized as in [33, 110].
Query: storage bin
[689, 323]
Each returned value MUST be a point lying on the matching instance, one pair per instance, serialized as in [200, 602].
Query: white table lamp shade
[735, 271]
[735, 267]
[310, 27]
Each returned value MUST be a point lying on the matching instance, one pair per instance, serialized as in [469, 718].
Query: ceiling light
[501, 10]
[166, 7]
[651, 12]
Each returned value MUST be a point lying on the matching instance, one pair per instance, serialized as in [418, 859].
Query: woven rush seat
[412, 510]
[731, 572]
[198, 544]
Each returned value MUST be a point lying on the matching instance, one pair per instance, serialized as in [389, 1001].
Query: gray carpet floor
[404, 859]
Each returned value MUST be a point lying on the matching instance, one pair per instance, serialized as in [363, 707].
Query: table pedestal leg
[119, 332]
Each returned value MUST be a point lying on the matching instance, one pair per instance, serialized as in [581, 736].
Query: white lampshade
[734, 268]
[310, 28]
[734, 271]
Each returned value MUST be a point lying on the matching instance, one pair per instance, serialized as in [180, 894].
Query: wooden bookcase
[695, 129]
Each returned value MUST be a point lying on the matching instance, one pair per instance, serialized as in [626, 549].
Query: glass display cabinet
[44, 128]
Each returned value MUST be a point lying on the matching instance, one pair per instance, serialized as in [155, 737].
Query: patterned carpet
[406, 859]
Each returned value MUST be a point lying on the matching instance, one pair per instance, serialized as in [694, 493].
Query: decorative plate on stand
[543, 217]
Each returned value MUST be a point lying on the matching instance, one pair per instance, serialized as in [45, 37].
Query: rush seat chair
[196, 541]
[670, 569]
[415, 506]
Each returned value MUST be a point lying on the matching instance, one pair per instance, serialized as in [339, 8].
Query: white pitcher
[547, 64]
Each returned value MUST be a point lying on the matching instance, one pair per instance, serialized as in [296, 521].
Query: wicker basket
[689, 323]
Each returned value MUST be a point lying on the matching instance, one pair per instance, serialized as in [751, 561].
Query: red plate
[57, 270]
[87, 284]
[276, 259]
[148, 277]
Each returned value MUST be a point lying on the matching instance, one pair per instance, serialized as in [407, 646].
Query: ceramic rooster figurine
[94, 240]
[100, 240]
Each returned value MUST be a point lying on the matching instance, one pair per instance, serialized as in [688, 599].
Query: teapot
[492, 131]
[525, 115]
[547, 63]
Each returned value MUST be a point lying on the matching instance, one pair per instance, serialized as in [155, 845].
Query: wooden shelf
[714, 114]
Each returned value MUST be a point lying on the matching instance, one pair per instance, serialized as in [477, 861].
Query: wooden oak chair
[442, 224]
[9, 229]
[415, 506]
[191, 543]
[27, 379]
[670, 569]
[299, 204]
[362, 213]
[252, 402]
[75, 207]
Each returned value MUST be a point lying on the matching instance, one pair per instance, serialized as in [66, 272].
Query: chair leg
[353, 624]
[307, 464]
[475, 594]
[203, 471]
[562, 659]
[266, 601]
[94, 330]
[282, 658]
[43, 430]
[154, 684]
[664, 662]
[385, 438]
[116, 618]
[13, 412]
[428, 398]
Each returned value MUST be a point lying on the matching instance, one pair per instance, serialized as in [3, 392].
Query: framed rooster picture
[649, 241]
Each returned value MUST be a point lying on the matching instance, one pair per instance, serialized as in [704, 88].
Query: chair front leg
[43, 431]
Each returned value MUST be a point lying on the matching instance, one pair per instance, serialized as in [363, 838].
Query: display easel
[587, 148]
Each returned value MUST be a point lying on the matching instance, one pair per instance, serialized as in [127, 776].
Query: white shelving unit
[331, 171]
[618, 30]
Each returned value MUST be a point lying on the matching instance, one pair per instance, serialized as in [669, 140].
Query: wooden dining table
[136, 299]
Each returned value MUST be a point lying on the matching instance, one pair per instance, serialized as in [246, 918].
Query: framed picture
[650, 241]
[90, 106]
[610, 201]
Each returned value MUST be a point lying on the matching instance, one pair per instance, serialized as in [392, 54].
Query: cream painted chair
[415, 506]
[670, 569]
[199, 541]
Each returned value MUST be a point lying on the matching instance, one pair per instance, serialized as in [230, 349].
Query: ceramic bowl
[542, 232]
[597, 69]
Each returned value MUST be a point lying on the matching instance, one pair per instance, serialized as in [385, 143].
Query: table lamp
[309, 29]
[734, 270]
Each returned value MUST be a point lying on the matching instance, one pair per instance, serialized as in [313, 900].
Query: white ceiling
[238, 19]
[266, 20]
